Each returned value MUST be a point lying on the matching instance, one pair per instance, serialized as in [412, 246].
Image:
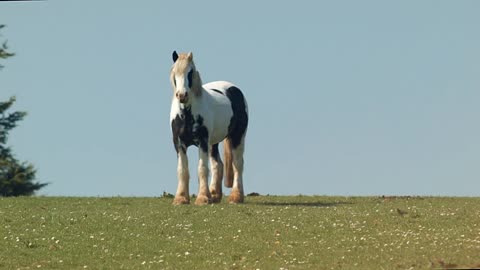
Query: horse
[204, 116]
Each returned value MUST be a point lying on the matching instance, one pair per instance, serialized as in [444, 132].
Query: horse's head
[184, 77]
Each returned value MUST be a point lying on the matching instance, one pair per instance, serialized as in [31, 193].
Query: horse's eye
[174, 81]
[190, 77]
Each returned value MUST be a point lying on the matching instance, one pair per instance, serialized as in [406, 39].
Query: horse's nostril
[182, 97]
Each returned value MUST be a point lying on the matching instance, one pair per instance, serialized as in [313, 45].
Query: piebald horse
[204, 116]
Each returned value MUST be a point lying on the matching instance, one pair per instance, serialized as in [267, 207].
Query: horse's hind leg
[237, 195]
[217, 174]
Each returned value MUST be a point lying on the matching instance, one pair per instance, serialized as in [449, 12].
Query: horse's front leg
[203, 192]
[182, 195]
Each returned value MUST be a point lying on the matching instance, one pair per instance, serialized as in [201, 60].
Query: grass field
[267, 232]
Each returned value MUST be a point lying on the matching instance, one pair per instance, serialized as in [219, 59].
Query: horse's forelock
[183, 62]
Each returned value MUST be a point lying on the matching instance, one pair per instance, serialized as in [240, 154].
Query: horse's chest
[189, 130]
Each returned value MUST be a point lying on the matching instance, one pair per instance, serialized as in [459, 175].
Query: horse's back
[226, 91]
[218, 85]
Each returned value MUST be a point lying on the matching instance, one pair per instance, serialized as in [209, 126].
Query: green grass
[267, 232]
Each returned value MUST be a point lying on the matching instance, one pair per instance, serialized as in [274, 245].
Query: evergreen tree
[16, 178]
[3, 49]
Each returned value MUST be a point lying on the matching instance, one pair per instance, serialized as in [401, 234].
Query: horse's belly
[221, 123]
[218, 135]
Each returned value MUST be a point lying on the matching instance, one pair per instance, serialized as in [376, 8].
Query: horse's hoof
[179, 200]
[216, 198]
[202, 200]
[235, 197]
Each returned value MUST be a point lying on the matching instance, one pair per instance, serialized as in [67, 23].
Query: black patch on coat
[188, 131]
[215, 154]
[190, 78]
[218, 91]
[239, 122]
[200, 135]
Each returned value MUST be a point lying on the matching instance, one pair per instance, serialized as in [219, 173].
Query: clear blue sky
[345, 97]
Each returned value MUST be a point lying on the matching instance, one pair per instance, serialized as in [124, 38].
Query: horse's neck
[198, 90]
[199, 94]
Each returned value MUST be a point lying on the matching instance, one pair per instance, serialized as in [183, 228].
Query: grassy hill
[267, 232]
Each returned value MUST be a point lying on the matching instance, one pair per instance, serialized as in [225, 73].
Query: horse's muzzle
[182, 97]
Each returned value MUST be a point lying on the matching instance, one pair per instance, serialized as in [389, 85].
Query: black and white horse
[204, 116]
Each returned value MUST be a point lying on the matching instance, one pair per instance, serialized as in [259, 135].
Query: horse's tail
[228, 168]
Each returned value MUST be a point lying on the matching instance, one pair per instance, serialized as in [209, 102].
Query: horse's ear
[190, 56]
[174, 56]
